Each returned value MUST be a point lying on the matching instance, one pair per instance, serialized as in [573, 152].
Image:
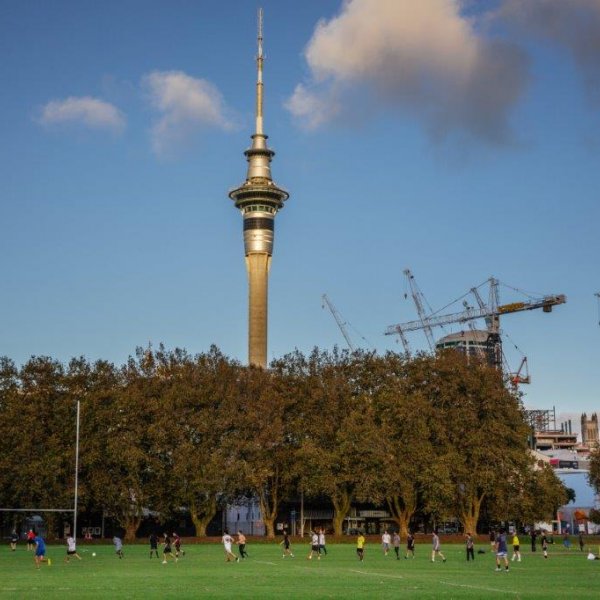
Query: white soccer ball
[93, 554]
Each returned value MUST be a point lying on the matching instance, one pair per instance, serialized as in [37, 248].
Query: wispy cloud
[187, 105]
[425, 58]
[572, 24]
[85, 110]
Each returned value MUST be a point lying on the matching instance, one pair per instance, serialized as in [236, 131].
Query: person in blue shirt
[40, 552]
[501, 550]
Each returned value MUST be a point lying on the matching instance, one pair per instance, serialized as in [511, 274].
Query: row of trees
[439, 435]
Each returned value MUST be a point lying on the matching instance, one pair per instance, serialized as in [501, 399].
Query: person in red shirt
[177, 543]
[30, 539]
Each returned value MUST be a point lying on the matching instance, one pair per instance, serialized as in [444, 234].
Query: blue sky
[463, 149]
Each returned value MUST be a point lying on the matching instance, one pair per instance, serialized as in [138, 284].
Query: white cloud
[422, 57]
[187, 104]
[572, 24]
[313, 109]
[85, 110]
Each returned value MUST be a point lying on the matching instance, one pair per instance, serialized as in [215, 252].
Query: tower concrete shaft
[258, 199]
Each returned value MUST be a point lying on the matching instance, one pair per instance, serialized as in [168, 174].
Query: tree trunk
[402, 510]
[470, 516]
[131, 525]
[269, 504]
[50, 519]
[202, 514]
[341, 507]
[270, 527]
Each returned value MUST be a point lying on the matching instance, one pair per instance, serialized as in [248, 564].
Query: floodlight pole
[76, 473]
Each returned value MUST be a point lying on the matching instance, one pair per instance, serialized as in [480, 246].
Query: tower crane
[419, 300]
[338, 319]
[491, 312]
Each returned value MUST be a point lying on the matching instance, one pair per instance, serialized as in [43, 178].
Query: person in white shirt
[71, 549]
[227, 541]
[314, 545]
[386, 539]
[322, 546]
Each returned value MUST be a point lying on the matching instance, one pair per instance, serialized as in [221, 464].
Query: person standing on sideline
[533, 540]
[492, 540]
[322, 546]
[567, 540]
[71, 549]
[167, 549]
[241, 541]
[314, 546]
[227, 541]
[386, 540]
[410, 545]
[118, 546]
[470, 547]
[177, 544]
[516, 547]
[545, 544]
[501, 550]
[14, 538]
[435, 547]
[30, 539]
[396, 542]
[581, 542]
[153, 544]
[360, 546]
[285, 542]
[40, 552]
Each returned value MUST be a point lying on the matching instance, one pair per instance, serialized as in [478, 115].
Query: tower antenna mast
[259, 76]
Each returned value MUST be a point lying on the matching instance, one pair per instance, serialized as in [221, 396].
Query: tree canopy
[437, 435]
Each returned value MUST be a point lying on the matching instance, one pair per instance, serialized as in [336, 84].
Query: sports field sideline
[203, 572]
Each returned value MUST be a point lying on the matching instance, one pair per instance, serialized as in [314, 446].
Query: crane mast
[419, 299]
[338, 319]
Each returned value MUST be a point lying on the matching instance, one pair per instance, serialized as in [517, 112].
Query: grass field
[204, 573]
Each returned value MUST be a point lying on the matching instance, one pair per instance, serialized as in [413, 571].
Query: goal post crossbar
[60, 510]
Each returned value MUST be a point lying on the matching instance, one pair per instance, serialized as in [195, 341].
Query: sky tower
[258, 199]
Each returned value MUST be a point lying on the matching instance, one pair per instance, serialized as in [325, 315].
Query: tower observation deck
[258, 198]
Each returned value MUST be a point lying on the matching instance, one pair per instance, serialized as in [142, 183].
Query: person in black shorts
[286, 544]
[410, 544]
[314, 546]
[14, 538]
[167, 549]
[153, 544]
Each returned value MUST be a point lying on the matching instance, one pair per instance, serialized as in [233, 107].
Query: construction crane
[491, 312]
[338, 319]
[419, 300]
[522, 374]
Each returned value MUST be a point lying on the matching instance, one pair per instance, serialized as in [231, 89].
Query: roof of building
[477, 335]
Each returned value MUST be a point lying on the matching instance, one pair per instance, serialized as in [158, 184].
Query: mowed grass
[203, 573]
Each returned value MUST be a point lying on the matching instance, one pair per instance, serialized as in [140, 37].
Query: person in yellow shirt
[360, 546]
[516, 548]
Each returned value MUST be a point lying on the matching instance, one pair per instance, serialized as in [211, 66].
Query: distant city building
[555, 439]
[589, 429]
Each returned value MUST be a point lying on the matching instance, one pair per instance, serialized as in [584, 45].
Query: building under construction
[485, 343]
